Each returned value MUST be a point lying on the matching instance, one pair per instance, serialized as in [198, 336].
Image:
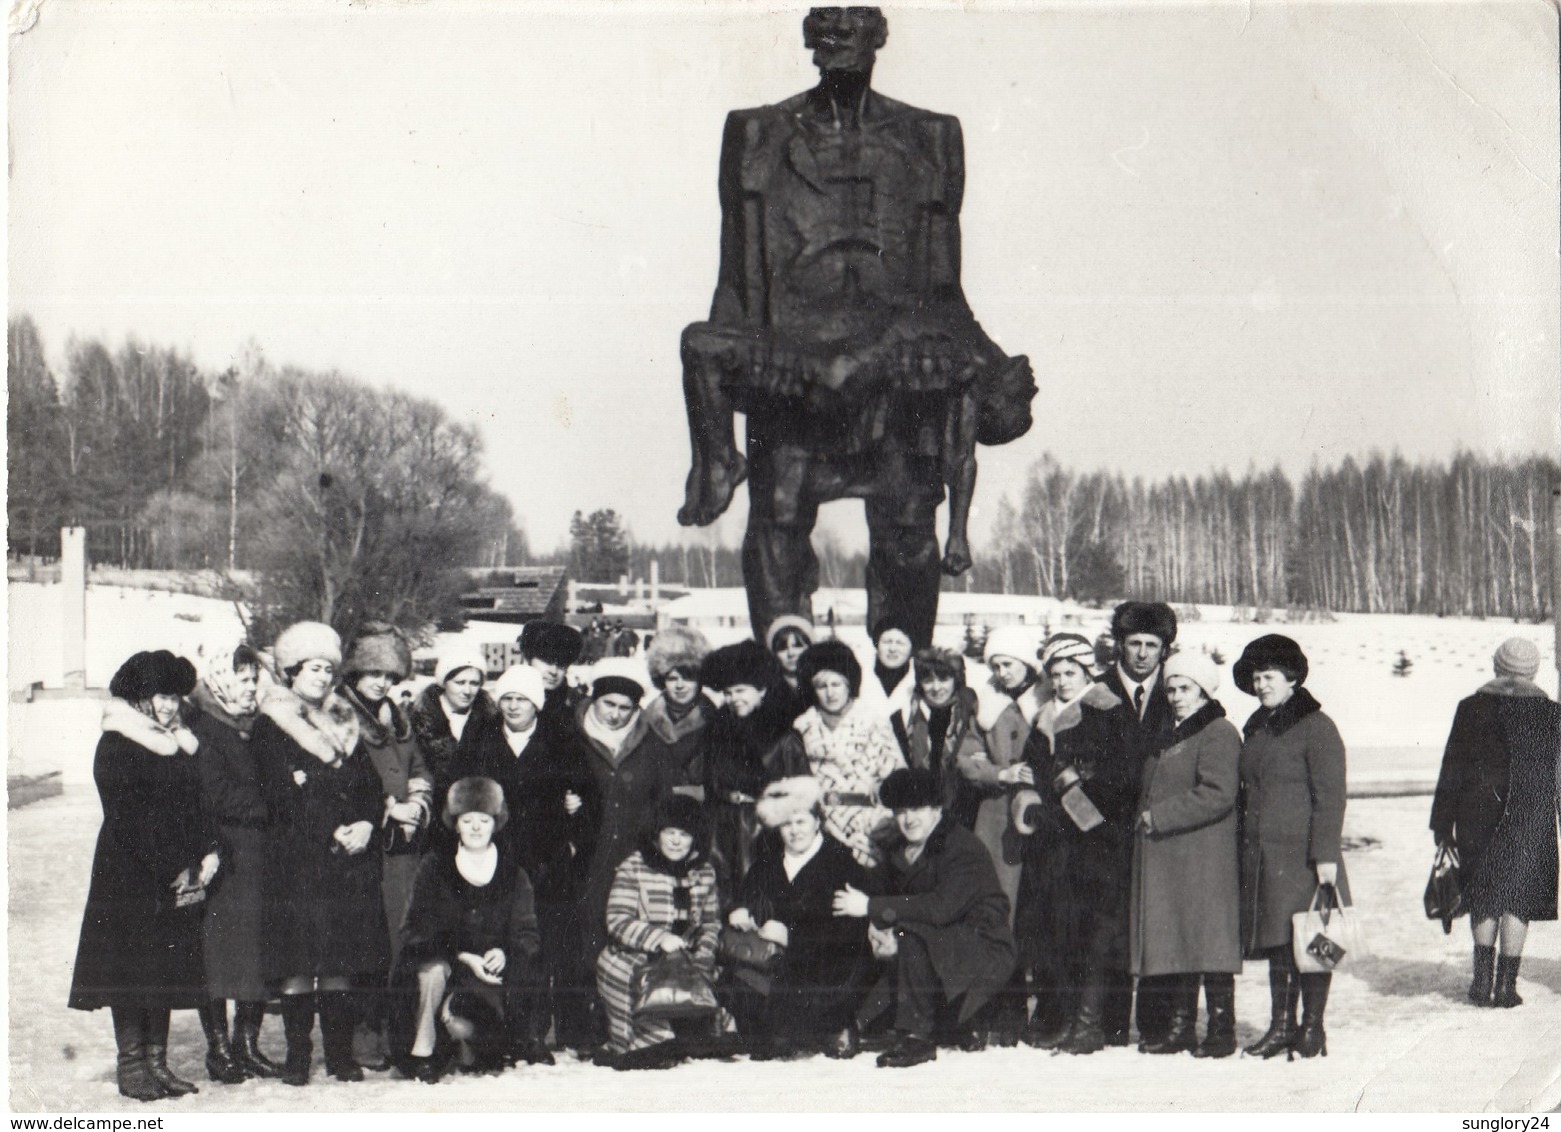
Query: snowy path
[1399, 1035]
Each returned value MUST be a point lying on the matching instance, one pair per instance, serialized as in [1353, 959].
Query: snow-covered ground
[1399, 1035]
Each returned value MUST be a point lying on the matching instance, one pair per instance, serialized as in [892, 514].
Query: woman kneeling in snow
[469, 946]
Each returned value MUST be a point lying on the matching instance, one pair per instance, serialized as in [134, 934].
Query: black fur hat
[678, 811]
[551, 643]
[829, 656]
[910, 788]
[149, 674]
[1272, 651]
[746, 662]
[1153, 617]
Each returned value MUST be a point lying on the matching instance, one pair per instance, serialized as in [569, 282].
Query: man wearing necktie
[1143, 632]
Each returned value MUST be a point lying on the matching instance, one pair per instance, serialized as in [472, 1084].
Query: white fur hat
[520, 680]
[785, 798]
[1014, 641]
[306, 640]
[1194, 666]
[456, 659]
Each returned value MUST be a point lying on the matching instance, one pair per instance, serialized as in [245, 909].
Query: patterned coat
[965, 773]
[642, 911]
[851, 760]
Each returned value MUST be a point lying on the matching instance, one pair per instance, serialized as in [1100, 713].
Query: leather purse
[671, 985]
[747, 949]
[1444, 899]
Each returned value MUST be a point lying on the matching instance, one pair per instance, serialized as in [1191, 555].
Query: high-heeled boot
[1178, 993]
[135, 1076]
[247, 1018]
[1284, 992]
[1219, 1039]
[1506, 995]
[1484, 975]
[298, 1025]
[337, 1019]
[1310, 1039]
[1088, 1034]
[157, 1056]
[220, 1062]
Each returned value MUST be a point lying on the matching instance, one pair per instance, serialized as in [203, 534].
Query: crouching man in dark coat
[942, 926]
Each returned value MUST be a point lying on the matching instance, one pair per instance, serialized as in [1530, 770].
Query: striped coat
[641, 909]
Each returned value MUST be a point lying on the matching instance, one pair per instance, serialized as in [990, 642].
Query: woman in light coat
[1185, 896]
[1292, 823]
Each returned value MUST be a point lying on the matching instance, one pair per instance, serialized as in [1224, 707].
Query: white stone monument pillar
[73, 605]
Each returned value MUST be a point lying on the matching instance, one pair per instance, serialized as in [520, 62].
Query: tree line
[341, 502]
[1465, 537]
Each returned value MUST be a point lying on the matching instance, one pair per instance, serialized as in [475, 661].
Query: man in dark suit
[1143, 632]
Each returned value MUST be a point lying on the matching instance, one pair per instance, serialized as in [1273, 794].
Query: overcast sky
[1224, 233]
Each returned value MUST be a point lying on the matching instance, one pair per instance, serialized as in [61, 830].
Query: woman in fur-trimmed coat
[663, 899]
[680, 714]
[325, 911]
[937, 731]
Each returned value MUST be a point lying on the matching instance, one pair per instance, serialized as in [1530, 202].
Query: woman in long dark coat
[325, 914]
[1186, 885]
[379, 659]
[450, 712]
[140, 949]
[471, 945]
[749, 744]
[788, 897]
[1292, 822]
[1495, 802]
[787, 638]
[222, 710]
[1071, 923]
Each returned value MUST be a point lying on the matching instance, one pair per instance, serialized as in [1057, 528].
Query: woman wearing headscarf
[787, 897]
[139, 953]
[222, 711]
[1496, 804]
[471, 945]
[327, 930]
[1186, 903]
[937, 731]
[679, 715]
[1292, 822]
[749, 744]
[1071, 922]
[663, 899]
[850, 749]
[451, 710]
[788, 638]
[379, 658]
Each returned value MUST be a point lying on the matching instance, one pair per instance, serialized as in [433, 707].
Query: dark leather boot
[1484, 975]
[135, 1078]
[247, 1017]
[1310, 1039]
[221, 1065]
[1053, 1021]
[157, 1056]
[1180, 996]
[298, 1025]
[1088, 1034]
[1284, 991]
[1219, 1040]
[337, 1019]
[1506, 995]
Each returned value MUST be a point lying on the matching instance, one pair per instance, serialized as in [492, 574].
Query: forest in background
[349, 503]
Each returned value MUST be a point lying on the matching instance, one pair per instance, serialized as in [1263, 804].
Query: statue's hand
[956, 557]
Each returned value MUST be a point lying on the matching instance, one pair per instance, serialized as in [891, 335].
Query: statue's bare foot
[956, 557]
[709, 490]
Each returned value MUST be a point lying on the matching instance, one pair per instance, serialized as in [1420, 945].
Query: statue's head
[844, 39]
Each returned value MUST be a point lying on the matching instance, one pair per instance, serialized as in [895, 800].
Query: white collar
[1147, 683]
[795, 864]
[519, 740]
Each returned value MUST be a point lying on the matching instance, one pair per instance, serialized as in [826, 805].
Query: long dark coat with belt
[1495, 798]
[1074, 887]
[324, 910]
[136, 947]
[448, 915]
[950, 899]
[1292, 816]
[827, 965]
[630, 784]
[233, 928]
[1186, 884]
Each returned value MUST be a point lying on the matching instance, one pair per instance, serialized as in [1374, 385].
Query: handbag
[1322, 937]
[1444, 899]
[671, 985]
[747, 949]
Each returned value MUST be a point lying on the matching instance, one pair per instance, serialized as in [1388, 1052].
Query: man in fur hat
[942, 925]
[550, 648]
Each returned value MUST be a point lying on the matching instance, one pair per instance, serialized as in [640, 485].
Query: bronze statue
[840, 329]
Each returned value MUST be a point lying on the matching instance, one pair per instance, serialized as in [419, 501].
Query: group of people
[816, 856]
